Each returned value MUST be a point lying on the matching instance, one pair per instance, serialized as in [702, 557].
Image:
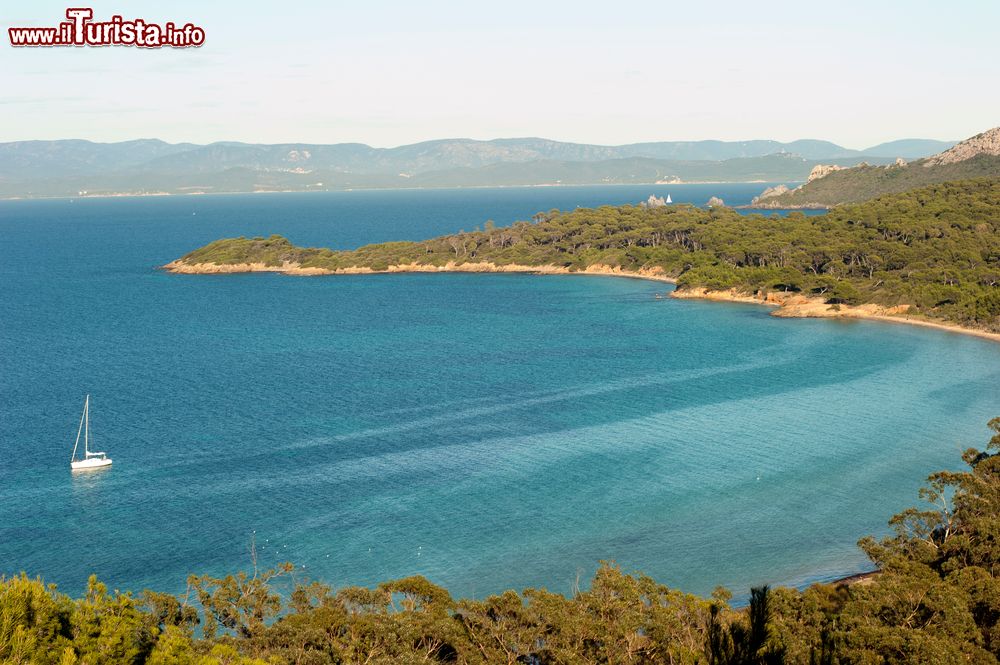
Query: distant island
[32, 169]
[929, 256]
[830, 185]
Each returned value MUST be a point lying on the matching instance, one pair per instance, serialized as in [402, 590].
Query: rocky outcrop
[823, 170]
[298, 156]
[654, 202]
[987, 143]
[770, 193]
[716, 202]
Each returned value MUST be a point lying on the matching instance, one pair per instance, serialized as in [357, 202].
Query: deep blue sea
[487, 431]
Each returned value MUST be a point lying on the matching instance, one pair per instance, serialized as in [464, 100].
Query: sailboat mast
[86, 433]
[79, 429]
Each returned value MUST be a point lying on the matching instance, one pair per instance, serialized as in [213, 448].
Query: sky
[391, 73]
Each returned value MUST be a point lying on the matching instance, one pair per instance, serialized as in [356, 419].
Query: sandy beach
[794, 305]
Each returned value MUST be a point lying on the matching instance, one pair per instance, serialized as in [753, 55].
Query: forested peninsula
[930, 255]
[935, 600]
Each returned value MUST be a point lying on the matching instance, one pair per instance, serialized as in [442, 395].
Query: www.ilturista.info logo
[80, 30]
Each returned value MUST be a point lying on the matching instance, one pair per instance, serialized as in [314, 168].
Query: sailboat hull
[91, 459]
[93, 463]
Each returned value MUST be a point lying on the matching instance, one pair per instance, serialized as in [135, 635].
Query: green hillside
[976, 157]
[866, 182]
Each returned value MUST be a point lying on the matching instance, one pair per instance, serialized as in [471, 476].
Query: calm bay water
[488, 431]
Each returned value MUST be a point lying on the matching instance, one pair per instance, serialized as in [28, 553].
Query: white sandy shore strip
[656, 274]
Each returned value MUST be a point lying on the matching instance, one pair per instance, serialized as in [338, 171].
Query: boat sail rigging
[91, 459]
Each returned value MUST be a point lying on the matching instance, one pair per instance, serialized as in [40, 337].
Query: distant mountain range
[975, 157]
[72, 167]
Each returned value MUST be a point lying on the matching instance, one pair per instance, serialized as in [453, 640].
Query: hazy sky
[388, 73]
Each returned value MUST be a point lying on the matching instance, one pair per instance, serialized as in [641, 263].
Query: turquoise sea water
[487, 431]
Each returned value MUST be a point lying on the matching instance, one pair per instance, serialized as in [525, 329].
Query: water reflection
[87, 483]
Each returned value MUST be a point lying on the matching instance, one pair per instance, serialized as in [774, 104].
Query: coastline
[295, 269]
[121, 195]
[796, 306]
[786, 305]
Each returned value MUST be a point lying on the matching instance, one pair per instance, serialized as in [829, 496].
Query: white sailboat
[91, 460]
[669, 200]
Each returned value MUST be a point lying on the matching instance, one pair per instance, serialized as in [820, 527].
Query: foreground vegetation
[936, 600]
[936, 249]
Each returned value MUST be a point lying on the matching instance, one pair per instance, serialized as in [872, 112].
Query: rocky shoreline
[796, 306]
[182, 267]
[787, 305]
